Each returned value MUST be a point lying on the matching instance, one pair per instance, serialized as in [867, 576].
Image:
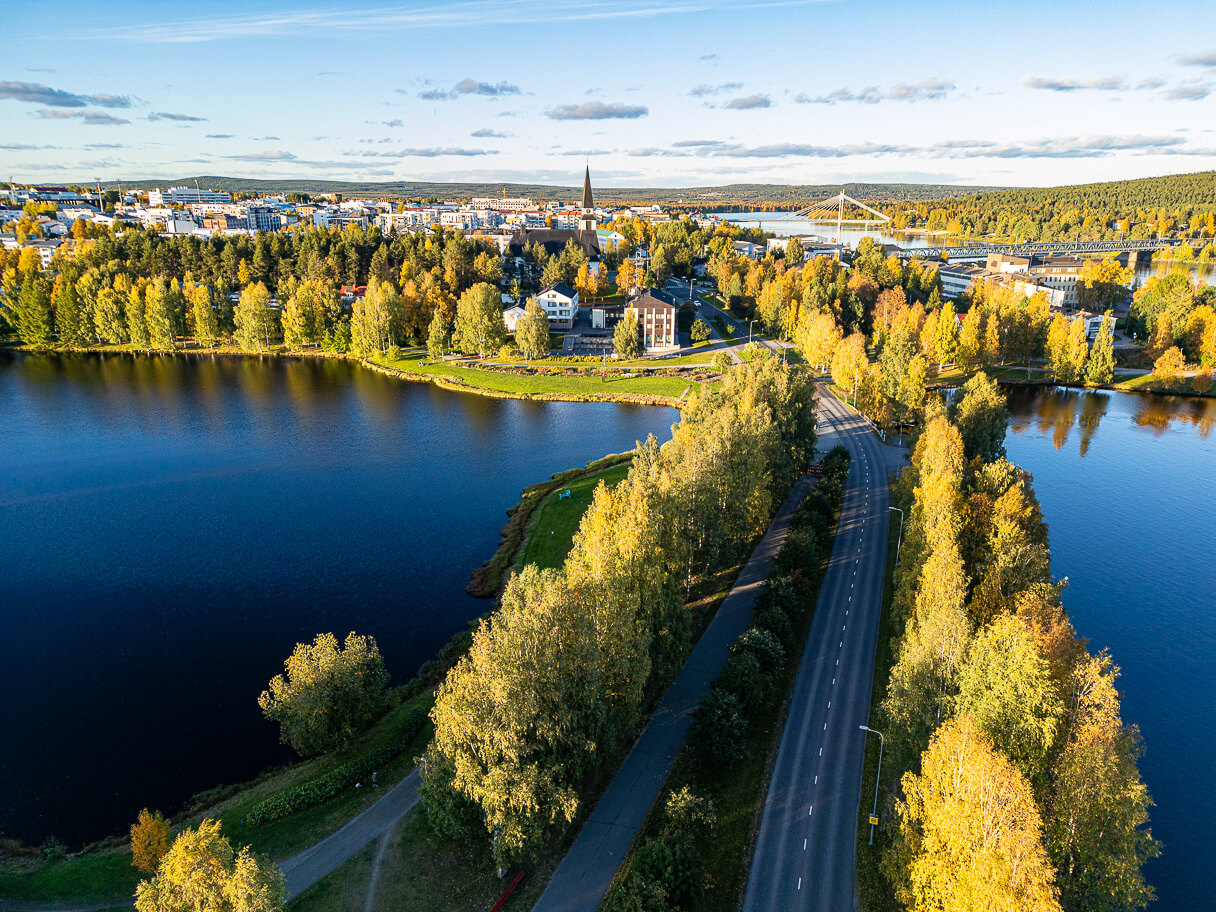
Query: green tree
[72, 324]
[157, 316]
[438, 338]
[254, 319]
[945, 339]
[982, 418]
[1168, 368]
[1103, 283]
[1007, 686]
[1097, 832]
[203, 873]
[718, 733]
[31, 315]
[108, 317]
[328, 694]
[479, 324]
[627, 337]
[137, 324]
[1101, 367]
[206, 324]
[373, 318]
[1078, 349]
[297, 317]
[532, 332]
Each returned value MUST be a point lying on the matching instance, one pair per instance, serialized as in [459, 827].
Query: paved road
[312, 864]
[583, 876]
[804, 855]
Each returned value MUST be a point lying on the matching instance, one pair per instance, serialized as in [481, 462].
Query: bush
[780, 592]
[673, 864]
[700, 331]
[743, 677]
[800, 551]
[307, 794]
[763, 645]
[635, 894]
[393, 353]
[776, 622]
[719, 729]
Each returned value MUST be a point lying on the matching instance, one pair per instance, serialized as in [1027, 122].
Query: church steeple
[587, 202]
[587, 222]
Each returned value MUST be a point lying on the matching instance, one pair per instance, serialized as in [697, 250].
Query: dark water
[170, 528]
[1128, 488]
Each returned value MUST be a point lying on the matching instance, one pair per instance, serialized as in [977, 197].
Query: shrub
[775, 621]
[307, 794]
[800, 551]
[719, 729]
[149, 841]
[636, 894]
[779, 592]
[743, 677]
[393, 353]
[672, 862]
[763, 645]
[700, 331]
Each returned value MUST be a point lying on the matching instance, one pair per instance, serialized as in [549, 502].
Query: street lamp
[749, 330]
[901, 533]
[877, 778]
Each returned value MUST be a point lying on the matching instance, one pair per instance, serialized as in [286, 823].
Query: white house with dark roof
[560, 304]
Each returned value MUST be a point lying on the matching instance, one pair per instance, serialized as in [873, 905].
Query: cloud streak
[37, 93]
[181, 118]
[598, 110]
[749, 102]
[930, 89]
[92, 118]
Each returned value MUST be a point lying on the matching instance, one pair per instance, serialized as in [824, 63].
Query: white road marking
[811, 811]
[804, 845]
[799, 883]
[833, 682]
[821, 752]
[829, 707]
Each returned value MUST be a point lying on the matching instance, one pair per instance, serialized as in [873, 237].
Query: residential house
[560, 304]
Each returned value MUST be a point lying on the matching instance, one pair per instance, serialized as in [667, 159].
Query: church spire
[587, 202]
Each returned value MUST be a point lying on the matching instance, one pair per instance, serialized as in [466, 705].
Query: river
[1127, 484]
[783, 223]
[170, 527]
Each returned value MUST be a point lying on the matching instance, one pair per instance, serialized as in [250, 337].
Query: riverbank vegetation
[694, 848]
[1010, 778]
[520, 734]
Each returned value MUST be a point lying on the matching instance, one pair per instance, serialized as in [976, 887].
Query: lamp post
[900, 542]
[877, 778]
[749, 330]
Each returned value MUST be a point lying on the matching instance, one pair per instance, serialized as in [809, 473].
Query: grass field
[593, 387]
[107, 874]
[554, 522]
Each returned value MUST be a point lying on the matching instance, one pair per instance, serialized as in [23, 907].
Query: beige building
[656, 314]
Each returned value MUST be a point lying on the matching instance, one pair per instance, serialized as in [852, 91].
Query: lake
[171, 526]
[1127, 484]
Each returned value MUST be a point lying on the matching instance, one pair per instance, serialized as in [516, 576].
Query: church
[554, 240]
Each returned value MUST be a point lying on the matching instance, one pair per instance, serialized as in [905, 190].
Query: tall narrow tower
[587, 222]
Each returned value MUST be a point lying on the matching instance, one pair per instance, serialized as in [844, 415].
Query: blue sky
[652, 92]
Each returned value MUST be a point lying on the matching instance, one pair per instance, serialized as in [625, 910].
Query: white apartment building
[560, 304]
[504, 204]
[180, 196]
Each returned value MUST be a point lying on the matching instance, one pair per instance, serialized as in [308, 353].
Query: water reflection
[1055, 411]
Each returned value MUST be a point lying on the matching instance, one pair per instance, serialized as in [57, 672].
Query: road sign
[873, 820]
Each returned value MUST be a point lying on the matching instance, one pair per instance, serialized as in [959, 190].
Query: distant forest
[732, 196]
[1176, 205]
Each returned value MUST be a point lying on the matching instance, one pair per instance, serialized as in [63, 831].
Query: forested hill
[736, 196]
[1174, 205]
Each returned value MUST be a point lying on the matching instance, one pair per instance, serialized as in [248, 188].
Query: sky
[651, 93]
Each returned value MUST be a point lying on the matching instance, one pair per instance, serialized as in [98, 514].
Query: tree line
[554, 684]
[1017, 784]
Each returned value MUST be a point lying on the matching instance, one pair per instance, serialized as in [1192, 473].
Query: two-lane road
[804, 855]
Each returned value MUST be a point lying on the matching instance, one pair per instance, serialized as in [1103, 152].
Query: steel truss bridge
[977, 251]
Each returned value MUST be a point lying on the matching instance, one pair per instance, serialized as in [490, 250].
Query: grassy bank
[541, 385]
[487, 578]
[103, 872]
[550, 534]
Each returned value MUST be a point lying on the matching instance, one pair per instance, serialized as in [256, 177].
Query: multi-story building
[503, 204]
[656, 313]
[1059, 272]
[181, 196]
[263, 218]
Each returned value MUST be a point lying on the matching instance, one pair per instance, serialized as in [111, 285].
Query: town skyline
[655, 95]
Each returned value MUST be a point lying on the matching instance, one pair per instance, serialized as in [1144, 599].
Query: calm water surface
[170, 528]
[1128, 488]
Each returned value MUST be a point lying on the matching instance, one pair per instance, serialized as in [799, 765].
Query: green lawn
[554, 522]
[107, 874]
[592, 387]
[345, 890]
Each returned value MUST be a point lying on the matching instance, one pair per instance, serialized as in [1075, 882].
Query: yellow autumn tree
[149, 840]
[970, 836]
